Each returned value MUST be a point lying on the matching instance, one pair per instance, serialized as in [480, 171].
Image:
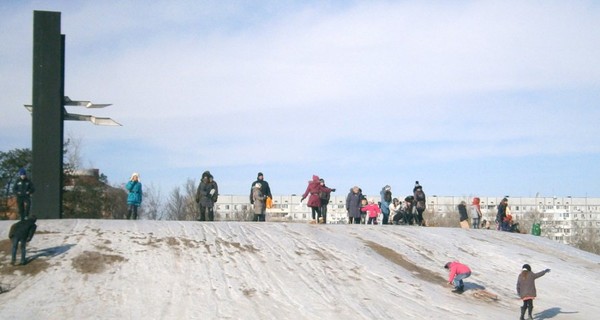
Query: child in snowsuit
[373, 211]
[259, 198]
[526, 288]
[457, 272]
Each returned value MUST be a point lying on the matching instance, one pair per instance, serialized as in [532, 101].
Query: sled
[465, 224]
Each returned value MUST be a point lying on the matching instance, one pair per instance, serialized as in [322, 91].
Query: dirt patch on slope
[397, 258]
[95, 262]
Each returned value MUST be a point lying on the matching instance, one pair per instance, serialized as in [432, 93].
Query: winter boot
[522, 313]
[529, 311]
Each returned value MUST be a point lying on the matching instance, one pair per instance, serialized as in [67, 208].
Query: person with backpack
[206, 196]
[134, 196]
[420, 203]
[526, 288]
[386, 201]
[21, 232]
[324, 196]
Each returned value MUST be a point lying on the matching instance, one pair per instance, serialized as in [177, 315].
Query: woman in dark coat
[526, 288]
[314, 202]
[353, 205]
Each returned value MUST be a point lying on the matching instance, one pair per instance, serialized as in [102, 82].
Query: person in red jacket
[314, 202]
[457, 272]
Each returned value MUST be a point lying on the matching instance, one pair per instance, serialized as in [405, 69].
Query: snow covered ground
[114, 269]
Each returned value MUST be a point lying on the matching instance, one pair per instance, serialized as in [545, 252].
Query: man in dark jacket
[22, 232]
[23, 189]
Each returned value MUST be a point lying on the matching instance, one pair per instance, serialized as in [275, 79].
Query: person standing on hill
[21, 232]
[353, 205]
[23, 189]
[314, 202]
[324, 196]
[420, 203]
[372, 210]
[501, 215]
[526, 288]
[476, 213]
[457, 272]
[134, 196]
[206, 196]
[264, 188]
[386, 201]
[258, 199]
[464, 218]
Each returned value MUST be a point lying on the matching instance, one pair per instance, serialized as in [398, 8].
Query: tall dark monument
[47, 114]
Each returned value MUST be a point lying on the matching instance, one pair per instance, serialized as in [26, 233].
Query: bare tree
[175, 207]
[72, 153]
[152, 206]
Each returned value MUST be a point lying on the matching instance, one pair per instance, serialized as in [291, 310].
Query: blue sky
[468, 97]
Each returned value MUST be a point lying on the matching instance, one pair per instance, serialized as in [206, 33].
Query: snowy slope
[112, 269]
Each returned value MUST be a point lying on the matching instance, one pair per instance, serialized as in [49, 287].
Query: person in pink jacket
[457, 272]
[373, 210]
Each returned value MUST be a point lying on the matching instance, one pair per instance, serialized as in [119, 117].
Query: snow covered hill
[113, 269]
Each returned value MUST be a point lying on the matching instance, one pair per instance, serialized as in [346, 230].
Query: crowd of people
[388, 210]
[360, 210]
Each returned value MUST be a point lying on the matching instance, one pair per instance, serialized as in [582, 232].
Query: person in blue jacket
[386, 200]
[134, 198]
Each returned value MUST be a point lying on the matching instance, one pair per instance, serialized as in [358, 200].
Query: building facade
[563, 219]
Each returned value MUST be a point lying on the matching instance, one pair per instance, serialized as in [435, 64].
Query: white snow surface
[115, 269]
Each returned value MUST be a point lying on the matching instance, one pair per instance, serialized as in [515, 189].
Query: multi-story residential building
[563, 219]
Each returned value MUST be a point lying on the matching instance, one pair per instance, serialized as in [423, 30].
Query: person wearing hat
[206, 196]
[457, 272]
[258, 199]
[264, 188]
[134, 198]
[21, 232]
[526, 288]
[23, 189]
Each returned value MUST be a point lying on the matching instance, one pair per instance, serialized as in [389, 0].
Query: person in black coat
[21, 232]
[23, 189]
